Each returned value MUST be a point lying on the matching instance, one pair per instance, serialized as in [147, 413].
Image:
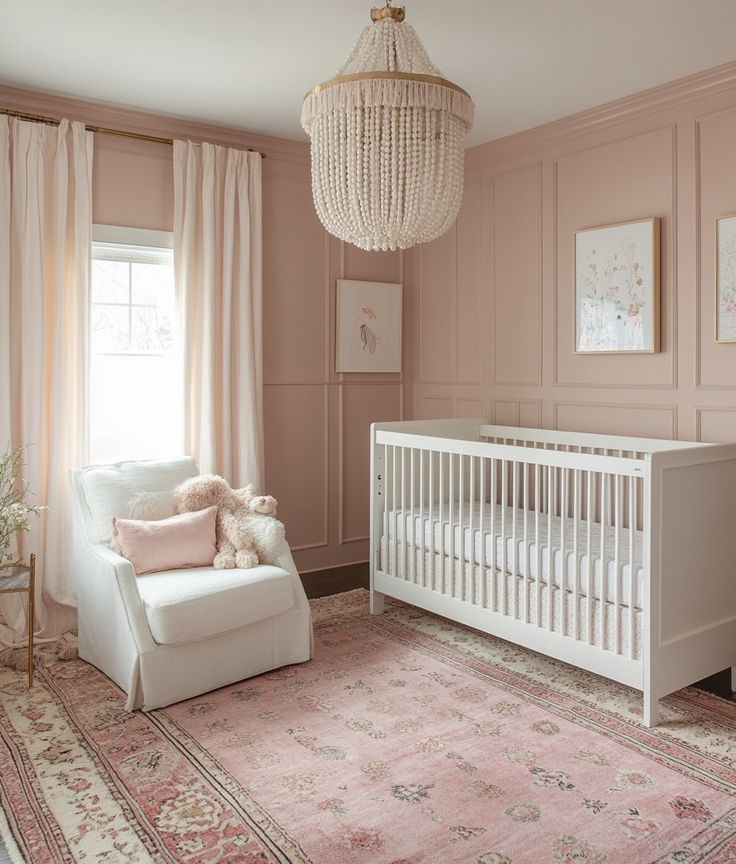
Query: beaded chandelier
[387, 141]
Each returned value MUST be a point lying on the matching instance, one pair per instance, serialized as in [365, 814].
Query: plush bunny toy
[247, 532]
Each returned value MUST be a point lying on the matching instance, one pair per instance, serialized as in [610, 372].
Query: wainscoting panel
[649, 421]
[626, 179]
[360, 405]
[468, 281]
[297, 459]
[468, 408]
[716, 133]
[517, 276]
[434, 407]
[436, 342]
[716, 425]
[530, 414]
[295, 273]
[506, 413]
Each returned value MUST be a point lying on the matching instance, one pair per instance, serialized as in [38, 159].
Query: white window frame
[140, 245]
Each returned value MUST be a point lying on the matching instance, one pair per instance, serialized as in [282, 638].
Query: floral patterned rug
[409, 739]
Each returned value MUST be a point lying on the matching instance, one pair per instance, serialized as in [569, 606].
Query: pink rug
[408, 739]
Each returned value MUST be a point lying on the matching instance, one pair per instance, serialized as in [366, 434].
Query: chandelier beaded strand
[387, 141]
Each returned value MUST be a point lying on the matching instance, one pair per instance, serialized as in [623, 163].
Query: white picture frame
[617, 288]
[725, 323]
[368, 326]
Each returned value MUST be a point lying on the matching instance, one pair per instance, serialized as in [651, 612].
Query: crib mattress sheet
[462, 584]
[444, 539]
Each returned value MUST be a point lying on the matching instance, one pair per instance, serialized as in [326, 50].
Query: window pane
[152, 283]
[110, 328]
[135, 393]
[110, 281]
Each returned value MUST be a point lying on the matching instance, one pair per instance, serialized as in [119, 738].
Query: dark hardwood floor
[322, 583]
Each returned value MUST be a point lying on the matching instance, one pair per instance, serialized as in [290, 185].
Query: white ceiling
[248, 63]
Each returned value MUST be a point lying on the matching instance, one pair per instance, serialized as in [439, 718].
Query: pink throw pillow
[186, 540]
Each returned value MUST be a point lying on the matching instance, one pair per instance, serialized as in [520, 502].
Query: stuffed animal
[247, 532]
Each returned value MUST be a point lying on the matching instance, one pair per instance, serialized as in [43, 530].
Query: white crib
[614, 554]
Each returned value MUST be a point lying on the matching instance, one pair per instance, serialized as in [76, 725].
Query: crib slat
[589, 567]
[461, 529]
[443, 581]
[514, 544]
[504, 562]
[576, 507]
[563, 554]
[412, 520]
[472, 558]
[422, 562]
[537, 549]
[404, 533]
[394, 501]
[550, 552]
[494, 557]
[617, 566]
[527, 581]
[633, 496]
[451, 524]
[603, 592]
[430, 479]
[482, 557]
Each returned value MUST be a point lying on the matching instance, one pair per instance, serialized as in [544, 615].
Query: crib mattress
[524, 560]
[518, 599]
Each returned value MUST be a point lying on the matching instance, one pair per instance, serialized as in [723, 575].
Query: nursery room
[368, 432]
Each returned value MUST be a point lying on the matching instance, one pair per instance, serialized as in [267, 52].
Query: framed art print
[617, 288]
[726, 279]
[368, 326]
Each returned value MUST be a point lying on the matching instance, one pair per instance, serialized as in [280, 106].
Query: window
[135, 396]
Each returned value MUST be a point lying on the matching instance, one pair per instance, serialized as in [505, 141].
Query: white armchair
[167, 636]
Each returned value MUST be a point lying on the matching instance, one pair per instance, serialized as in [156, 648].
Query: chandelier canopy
[387, 141]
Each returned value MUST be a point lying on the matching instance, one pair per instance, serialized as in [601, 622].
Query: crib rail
[546, 535]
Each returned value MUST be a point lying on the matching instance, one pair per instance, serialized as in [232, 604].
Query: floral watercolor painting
[368, 326]
[726, 279]
[617, 288]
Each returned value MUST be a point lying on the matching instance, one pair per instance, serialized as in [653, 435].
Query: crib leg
[377, 602]
[651, 710]
[733, 679]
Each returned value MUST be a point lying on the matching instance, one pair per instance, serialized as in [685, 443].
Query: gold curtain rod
[100, 130]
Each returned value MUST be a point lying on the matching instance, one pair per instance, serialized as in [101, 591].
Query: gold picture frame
[617, 308]
[718, 288]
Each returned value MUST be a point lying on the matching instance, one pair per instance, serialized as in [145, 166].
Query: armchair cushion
[110, 489]
[190, 604]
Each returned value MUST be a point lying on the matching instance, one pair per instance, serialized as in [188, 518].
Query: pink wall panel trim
[470, 324]
[361, 404]
[517, 276]
[133, 186]
[716, 424]
[667, 152]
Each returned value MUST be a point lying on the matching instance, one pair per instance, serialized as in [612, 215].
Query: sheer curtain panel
[217, 264]
[45, 235]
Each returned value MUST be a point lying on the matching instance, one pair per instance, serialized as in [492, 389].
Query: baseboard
[320, 583]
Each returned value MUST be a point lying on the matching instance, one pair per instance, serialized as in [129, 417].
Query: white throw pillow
[109, 489]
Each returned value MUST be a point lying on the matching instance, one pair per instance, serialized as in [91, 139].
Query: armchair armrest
[110, 578]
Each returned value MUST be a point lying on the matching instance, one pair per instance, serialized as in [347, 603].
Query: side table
[16, 578]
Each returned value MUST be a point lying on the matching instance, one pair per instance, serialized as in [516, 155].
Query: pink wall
[488, 307]
[492, 308]
[317, 421]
